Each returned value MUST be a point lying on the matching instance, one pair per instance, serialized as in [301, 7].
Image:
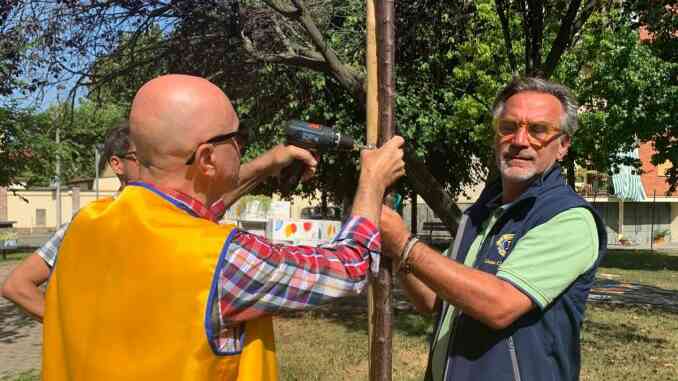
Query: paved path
[625, 293]
[668, 247]
[20, 336]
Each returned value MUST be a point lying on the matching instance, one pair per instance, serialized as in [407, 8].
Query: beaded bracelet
[404, 266]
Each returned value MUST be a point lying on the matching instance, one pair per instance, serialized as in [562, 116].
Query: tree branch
[291, 59]
[528, 37]
[562, 40]
[288, 12]
[432, 192]
[286, 41]
[589, 8]
[535, 20]
[345, 75]
[502, 11]
[327, 61]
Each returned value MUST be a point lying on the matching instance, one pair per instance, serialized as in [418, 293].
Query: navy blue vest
[540, 345]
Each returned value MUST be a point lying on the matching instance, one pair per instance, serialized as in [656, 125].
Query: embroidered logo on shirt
[504, 243]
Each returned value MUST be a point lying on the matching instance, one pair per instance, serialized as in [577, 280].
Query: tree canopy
[29, 141]
[627, 93]
[279, 60]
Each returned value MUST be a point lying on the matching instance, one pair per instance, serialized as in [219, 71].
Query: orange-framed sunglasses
[539, 134]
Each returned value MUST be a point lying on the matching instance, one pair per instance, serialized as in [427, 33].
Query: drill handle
[289, 177]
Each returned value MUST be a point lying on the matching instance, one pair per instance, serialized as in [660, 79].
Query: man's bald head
[172, 114]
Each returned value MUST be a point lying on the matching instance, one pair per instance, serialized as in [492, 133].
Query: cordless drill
[320, 138]
[317, 137]
[313, 137]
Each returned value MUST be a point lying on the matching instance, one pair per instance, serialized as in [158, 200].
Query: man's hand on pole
[379, 169]
[394, 233]
[384, 165]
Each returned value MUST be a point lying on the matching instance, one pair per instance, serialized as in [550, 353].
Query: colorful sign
[304, 232]
[280, 209]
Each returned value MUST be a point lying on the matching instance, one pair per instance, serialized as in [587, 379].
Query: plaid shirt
[258, 278]
[49, 251]
[191, 205]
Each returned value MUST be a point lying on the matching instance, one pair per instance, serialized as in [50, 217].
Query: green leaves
[627, 93]
[29, 150]
[452, 58]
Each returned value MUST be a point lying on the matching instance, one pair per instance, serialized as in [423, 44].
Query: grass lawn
[333, 346]
[659, 269]
[15, 256]
[618, 342]
[25, 376]
[629, 343]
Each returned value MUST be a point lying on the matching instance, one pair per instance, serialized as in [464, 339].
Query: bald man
[184, 298]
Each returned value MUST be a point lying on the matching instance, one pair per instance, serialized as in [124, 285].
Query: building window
[40, 217]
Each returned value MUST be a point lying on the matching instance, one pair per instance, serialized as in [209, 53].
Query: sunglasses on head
[241, 137]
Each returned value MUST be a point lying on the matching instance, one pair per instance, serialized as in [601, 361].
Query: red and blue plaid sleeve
[260, 278]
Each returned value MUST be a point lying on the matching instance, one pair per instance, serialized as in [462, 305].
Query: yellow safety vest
[128, 298]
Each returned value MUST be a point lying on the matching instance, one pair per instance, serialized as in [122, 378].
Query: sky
[41, 99]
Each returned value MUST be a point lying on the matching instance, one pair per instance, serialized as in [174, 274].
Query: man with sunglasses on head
[173, 295]
[22, 286]
[510, 293]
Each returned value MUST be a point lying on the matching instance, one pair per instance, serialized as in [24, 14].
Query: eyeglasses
[539, 134]
[131, 155]
[240, 139]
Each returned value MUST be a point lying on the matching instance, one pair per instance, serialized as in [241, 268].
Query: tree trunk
[414, 217]
[323, 205]
[571, 176]
[381, 341]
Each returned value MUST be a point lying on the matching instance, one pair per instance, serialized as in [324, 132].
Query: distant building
[636, 205]
[36, 207]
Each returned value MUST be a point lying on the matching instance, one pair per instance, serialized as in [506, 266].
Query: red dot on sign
[294, 228]
[307, 226]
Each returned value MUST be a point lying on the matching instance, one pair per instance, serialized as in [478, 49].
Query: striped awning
[626, 183]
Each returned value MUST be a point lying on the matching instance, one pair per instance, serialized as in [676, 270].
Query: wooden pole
[371, 138]
[372, 77]
[382, 318]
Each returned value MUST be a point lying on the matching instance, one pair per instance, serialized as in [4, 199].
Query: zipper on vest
[455, 319]
[454, 255]
[514, 358]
